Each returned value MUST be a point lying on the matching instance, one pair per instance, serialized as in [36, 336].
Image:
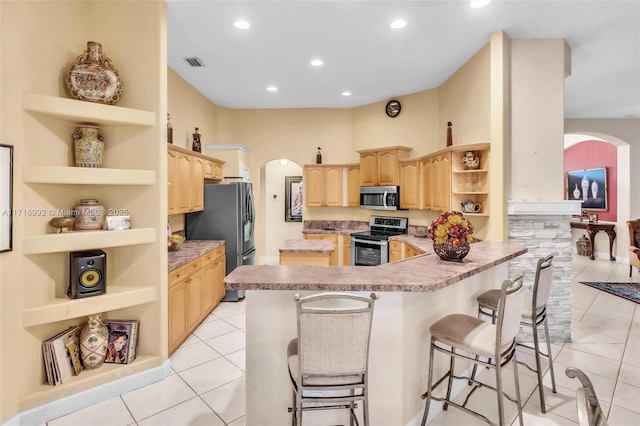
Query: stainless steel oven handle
[374, 242]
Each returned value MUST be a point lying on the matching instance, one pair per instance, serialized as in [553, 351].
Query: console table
[593, 229]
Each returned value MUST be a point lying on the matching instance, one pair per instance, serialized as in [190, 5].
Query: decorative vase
[94, 339]
[89, 215]
[594, 189]
[92, 78]
[585, 187]
[88, 147]
[449, 135]
[470, 161]
[576, 193]
[448, 251]
[169, 129]
[197, 145]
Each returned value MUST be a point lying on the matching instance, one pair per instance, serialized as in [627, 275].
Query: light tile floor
[207, 382]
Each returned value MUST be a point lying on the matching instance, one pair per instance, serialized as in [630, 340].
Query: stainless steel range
[371, 248]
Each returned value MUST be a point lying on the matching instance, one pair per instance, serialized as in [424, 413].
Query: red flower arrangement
[451, 227]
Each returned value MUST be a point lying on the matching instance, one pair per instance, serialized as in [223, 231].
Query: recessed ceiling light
[241, 24]
[346, 93]
[398, 23]
[272, 88]
[479, 3]
[317, 62]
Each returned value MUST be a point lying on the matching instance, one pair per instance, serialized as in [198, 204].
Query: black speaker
[87, 273]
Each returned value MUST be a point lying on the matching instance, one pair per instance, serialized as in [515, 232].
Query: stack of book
[62, 355]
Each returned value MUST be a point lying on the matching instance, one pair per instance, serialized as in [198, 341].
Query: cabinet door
[172, 181]
[177, 315]
[221, 267]
[442, 183]
[426, 173]
[333, 186]
[197, 184]
[395, 251]
[209, 288]
[194, 296]
[208, 169]
[410, 185]
[353, 186]
[368, 169]
[314, 183]
[388, 168]
[217, 171]
[183, 189]
[346, 250]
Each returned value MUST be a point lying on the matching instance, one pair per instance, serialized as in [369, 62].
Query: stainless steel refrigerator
[228, 215]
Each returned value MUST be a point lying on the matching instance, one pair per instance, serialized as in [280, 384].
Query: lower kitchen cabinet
[395, 251]
[194, 290]
[333, 260]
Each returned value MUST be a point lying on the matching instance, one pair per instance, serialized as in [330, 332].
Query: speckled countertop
[307, 246]
[190, 250]
[422, 273]
[344, 227]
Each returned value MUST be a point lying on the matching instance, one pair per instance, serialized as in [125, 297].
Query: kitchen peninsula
[413, 292]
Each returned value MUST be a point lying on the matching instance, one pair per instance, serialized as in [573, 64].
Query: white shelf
[117, 297]
[81, 112]
[88, 379]
[87, 176]
[86, 240]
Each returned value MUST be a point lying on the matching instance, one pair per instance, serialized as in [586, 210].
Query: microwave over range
[380, 197]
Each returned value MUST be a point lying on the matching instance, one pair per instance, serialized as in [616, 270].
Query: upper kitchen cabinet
[353, 185]
[410, 184]
[323, 185]
[186, 172]
[380, 166]
[436, 181]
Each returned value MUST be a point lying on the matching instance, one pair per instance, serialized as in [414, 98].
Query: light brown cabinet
[186, 173]
[333, 260]
[436, 182]
[346, 250]
[410, 184]
[381, 167]
[353, 185]
[323, 185]
[395, 251]
[410, 251]
[194, 290]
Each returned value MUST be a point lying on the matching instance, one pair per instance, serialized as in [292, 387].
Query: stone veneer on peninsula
[424, 273]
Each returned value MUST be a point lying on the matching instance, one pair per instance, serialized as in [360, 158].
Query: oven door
[365, 252]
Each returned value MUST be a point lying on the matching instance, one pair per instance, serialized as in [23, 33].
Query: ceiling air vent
[194, 62]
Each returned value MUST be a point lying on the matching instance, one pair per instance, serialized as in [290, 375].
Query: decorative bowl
[451, 253]
[175, 243]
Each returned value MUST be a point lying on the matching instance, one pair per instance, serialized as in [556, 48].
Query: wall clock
[393, 108]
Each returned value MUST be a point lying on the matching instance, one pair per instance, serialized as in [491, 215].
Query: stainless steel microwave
[380, 197]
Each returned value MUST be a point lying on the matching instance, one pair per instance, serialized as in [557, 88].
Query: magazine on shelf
[123, 341]
[60, 362]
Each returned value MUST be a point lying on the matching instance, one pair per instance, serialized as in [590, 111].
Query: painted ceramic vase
[585, 187]
[92, 78]
[94, 339]
[576, 193]
[594, 189]
[89, 215]
[88, 147]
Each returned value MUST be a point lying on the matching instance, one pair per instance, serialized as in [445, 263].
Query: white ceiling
[363, 55]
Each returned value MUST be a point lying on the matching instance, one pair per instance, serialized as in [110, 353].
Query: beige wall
[537, 81]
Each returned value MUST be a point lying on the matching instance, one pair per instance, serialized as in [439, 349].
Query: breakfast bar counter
[413, 294]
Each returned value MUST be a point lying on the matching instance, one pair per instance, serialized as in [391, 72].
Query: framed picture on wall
[6, 197]
[293, 201]
[588, 186]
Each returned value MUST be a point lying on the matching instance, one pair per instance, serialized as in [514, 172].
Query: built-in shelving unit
[470, 184]
[56, 175]
[86, 240]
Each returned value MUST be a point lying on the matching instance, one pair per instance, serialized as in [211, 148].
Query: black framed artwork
[588, 186]
[293, 198]
[6, 197]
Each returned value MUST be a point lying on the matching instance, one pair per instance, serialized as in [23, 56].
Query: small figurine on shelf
[169, 129]
[197, 146]
[319, 156]
[449, 135]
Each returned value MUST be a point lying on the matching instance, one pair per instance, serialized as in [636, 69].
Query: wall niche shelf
[81, 112]
[86, 176]
[59, 309]
[87, 380]
[86, 240]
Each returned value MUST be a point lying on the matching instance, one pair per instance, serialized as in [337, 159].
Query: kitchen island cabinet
[413, 293]
[306, 252]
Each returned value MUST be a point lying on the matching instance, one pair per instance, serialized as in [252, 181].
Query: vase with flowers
[451, 233]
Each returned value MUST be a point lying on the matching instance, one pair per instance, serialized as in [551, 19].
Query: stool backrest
[542, 282]
[334, 330]
[589, 410]
[509, 310]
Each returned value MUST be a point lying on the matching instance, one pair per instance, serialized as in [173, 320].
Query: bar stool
[587, 404]
[477, 338]
[534, 313]
[328, 361]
